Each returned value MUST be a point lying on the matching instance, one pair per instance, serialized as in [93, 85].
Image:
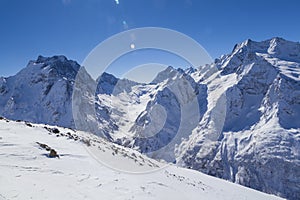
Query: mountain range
[236, 118]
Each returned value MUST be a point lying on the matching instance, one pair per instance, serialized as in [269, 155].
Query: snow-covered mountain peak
[43, 59]
[189, 70]
[168, 73]
[106, 83]
[285, 50]
[276, 47]
[109, 84]
[59, 65]
[276, 53]
[249, 46]
[44, 89]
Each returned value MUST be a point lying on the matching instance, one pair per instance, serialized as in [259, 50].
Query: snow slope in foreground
[27, 172]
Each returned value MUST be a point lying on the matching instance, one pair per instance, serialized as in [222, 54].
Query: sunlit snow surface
[28, 173]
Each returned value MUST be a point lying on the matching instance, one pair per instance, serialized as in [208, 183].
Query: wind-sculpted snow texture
[29, 172]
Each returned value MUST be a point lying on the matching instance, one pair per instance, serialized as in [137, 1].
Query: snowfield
[27, 171]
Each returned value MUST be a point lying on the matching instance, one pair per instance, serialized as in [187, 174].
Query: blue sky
[74, 27]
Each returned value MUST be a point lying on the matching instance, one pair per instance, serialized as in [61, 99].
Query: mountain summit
[41, 92]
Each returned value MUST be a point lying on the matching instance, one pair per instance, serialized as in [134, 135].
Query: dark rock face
[53, 154]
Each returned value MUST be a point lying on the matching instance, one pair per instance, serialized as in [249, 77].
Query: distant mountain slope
[27, 171]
